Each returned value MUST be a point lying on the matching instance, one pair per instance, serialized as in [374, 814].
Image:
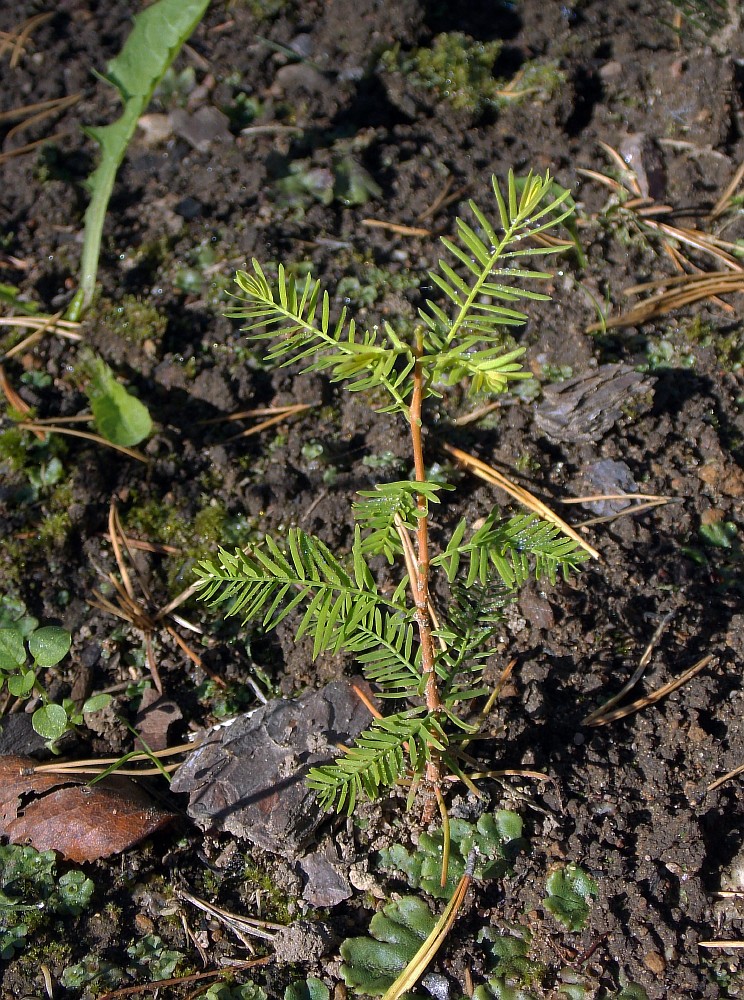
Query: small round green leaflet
[49, 645]
[12, 650]
[96, 703]
[50, 721]
[22, 684]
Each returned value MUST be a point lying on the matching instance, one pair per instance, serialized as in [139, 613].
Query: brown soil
[628, 801]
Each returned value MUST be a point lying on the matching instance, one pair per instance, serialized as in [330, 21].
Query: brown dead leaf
[82, 822]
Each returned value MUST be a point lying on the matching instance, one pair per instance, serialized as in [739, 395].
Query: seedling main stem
[420, 581]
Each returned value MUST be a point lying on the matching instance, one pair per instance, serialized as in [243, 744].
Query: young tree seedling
[429, 658]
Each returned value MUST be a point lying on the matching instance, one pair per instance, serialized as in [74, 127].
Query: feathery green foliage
[409, 649]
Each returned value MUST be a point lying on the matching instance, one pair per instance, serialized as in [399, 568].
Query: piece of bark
[585, 408]
[249, 778]
[155, 716]
[326, 884]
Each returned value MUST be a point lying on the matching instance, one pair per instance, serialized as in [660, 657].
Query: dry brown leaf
[82, 822]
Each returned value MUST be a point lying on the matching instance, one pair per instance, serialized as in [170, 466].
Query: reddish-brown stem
[420, 584]
[420, 578]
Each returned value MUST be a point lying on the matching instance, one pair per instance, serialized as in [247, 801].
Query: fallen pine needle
[725, 777]
[393, 227]
[416, 967]
[153, 987]
[34, 426]
[595, 719]
[720, 944]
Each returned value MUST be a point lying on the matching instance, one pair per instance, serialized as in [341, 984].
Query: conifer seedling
[428, 659]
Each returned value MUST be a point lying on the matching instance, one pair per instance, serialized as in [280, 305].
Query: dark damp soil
[247, 154]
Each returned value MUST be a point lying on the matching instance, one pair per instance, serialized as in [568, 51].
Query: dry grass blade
[642, 501]
[34, 114]
[475, 415]
[33, 425]
[97, 765]
[721, 944]
[445, 198]
[417, 966]
[278, 414]
[118, 538]
[630, 511]
[237, 923]
[17, 40]
[29, 147]
[687, 287]
[395, 227]
[491, 475]
[127, 605]
[678, 292]
[40, 325]
[723, 202]
[590, 719]
[651, 699]
[16, 402]
[259, 411]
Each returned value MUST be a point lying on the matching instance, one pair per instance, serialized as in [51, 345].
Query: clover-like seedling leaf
[569, 892]
[50, 722]
[311, 989]
[632, 992]
[21, 685]
[372, 964]
[96, 703]
[12, 650]
[152, 953]
[495, 838]
[49, 645]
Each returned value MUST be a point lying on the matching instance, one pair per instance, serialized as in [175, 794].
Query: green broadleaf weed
[153, 43]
